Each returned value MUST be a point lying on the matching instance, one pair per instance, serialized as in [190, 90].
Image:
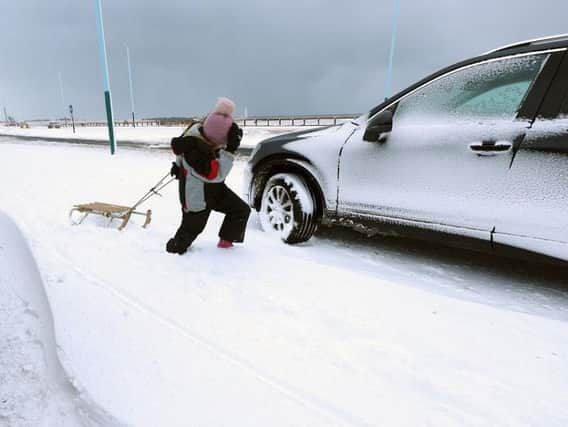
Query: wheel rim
[279, 210]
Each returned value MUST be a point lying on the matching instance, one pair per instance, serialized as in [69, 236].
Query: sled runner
[79, 212]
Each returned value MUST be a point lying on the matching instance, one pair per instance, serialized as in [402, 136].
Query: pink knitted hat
[218, 122]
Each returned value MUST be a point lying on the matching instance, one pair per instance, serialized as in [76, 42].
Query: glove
[175, 170]
[179, 144]
[234, 137]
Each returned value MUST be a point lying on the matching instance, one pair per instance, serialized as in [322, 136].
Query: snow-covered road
[143, 136]
[339, 331]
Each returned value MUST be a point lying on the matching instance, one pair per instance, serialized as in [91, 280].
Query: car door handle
[490, 148]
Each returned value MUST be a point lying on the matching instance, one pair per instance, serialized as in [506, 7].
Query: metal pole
[130, 83]
[106, 81]
[62, 98]
[72, 118]
[396, 15]
[5, 115]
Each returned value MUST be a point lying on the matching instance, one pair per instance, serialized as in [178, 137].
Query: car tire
[288, 208]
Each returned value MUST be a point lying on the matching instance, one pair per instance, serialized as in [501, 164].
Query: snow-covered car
[475, 154]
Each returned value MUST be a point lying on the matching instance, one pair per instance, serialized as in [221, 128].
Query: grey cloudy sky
[274, 57]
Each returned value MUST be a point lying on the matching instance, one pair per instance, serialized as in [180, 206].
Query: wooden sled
[108, 211]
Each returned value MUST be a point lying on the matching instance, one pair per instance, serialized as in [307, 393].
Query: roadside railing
[266, 121]
[314, 120]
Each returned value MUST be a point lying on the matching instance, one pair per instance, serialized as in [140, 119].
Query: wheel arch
[285, 164]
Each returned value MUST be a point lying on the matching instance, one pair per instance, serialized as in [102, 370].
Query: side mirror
[380, 124]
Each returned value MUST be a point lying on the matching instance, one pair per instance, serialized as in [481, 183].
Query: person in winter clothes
[204, 158]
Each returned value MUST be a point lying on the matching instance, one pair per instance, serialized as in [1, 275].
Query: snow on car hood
[294, 136]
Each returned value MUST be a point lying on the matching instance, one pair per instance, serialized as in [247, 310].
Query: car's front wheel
[288, 208]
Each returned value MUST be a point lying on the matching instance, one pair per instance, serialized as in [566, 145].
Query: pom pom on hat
[224, 106]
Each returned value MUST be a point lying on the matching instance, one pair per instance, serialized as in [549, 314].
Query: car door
[538, 180]
[444, 163]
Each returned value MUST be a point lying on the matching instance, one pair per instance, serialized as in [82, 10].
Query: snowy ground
[339, 331]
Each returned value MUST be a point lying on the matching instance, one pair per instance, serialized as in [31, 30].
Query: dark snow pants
[219, 198]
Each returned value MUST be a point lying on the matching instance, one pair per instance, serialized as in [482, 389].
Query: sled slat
[97, 207]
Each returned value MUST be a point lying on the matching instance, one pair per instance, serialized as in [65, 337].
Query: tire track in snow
[326, 410]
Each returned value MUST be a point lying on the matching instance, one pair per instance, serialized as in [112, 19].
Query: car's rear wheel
[288, 208]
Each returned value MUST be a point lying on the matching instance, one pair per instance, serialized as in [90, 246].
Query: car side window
[490, 90]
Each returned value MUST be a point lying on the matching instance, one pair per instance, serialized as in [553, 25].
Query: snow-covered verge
[34, 388]
[338, 331]
[154, 136]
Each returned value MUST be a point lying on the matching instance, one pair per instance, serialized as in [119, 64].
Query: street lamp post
[62, 98]
[396, 15]
[130, 84]
[106, 80]
[72, 118]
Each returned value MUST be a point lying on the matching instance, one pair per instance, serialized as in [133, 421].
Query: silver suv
[475, 154]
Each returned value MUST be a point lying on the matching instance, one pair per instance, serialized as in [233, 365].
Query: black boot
[174, 247]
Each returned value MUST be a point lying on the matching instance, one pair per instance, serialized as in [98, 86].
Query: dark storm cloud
[274, 57]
